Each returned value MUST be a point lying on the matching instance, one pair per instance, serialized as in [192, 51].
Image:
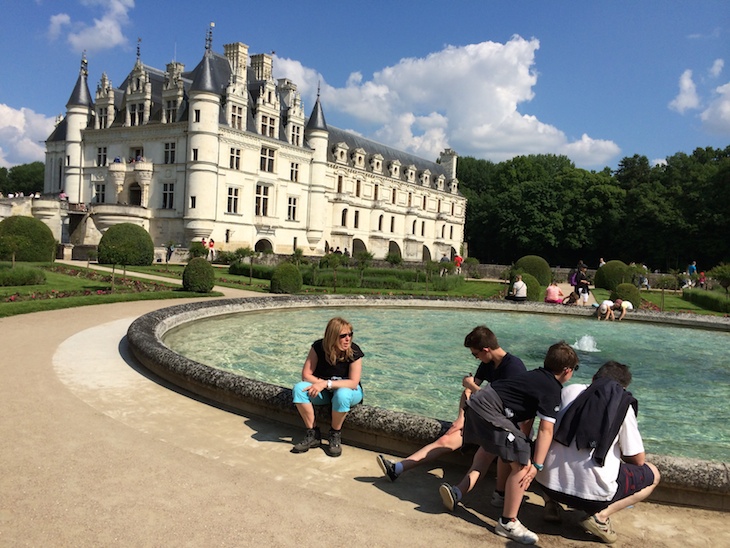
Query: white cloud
[105, 32]
[22, 135]
[465, 97]
[687, 97]
[717, 67]
[716, 118]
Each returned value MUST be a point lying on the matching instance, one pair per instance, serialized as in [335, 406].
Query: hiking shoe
[603, 531]
[448, 496]
[516, 531]
[334, 449]
[497, 500]
[312, 439]
[387, 467]
[552, 513]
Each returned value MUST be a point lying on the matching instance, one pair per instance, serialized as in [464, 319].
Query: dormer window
[358, 158]
[376, 163]
[426, 178]
[411, 173]
[339, 151]
[394, 169]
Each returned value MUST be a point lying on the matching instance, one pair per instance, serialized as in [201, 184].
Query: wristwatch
[329, 384]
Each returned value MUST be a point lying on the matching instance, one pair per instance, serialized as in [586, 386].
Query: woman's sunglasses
[343, 335]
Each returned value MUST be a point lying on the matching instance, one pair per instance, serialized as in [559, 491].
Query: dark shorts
[631, 479]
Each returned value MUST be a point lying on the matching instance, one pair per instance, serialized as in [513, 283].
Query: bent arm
[638, 459]
[355, 374]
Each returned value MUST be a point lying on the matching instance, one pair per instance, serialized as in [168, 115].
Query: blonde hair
[331, 337]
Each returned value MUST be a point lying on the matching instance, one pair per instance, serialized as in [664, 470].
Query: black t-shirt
[510, 366]
[535, 392]
[325, 370]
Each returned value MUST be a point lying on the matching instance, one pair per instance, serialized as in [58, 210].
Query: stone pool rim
[684, 481]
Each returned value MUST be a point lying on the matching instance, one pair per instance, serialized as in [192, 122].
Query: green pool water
[415, 359]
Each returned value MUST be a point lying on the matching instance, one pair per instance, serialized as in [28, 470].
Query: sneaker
[311, 440]
[334, 449]
[516, 531]
[387, 467]
[603, 531]
[497, 500]
[552, 512]
[448, 496]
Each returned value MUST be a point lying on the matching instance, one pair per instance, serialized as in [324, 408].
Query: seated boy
[491, 421]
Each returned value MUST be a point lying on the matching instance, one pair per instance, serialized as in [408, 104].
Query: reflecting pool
[415, 359]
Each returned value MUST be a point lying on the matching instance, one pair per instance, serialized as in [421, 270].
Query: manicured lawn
[73, 286]
[673, 302]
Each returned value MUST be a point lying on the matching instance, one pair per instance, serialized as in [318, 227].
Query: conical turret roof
[81, 96]
[316, 120]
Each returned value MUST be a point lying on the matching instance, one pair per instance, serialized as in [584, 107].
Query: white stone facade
[225, 152]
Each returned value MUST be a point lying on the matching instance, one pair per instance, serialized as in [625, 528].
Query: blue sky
[596, 81]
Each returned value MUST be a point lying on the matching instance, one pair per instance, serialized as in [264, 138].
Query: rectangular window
[392, 224]
[296, 136]
[103, 121]
[101, 156]
[192, 202]
[358, 188]
[339, 184]
[294, 173]
[171, 111]
[168, 196]
[169, 153]
[423, 228]
[291, 212]
[268, 124]
[267, 159]
[425, 203]
[232, 206]
[262, 200]
[99, 193]
[235, 159]
[357, 219]
[136, 114]
[195, 155]
[375, 193]
[196, 115]
[394, 196]
[236, 117]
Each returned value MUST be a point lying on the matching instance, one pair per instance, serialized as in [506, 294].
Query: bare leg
[514, 491]
[631, 499]
[450, 441]
[338, 419]
[503, 470]
[480, 464]
[306, 410]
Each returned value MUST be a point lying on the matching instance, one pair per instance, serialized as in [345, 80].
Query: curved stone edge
[688, 482]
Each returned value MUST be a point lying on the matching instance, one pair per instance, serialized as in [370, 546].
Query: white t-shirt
[520, 288]
[605, 305]
[568, 470]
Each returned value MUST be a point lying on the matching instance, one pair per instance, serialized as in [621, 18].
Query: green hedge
[537, 267]
[28, 238]
[611, 274]
[627, 292]
[286, 279]
[446, 283]
[21, 275]
[126, 244]
[710, 300]
[260, 271]
[198, 276]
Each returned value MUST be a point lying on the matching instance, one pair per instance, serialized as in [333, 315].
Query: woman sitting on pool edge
[331, 374]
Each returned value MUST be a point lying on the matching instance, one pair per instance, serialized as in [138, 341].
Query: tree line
[663, 216]
[25, 178]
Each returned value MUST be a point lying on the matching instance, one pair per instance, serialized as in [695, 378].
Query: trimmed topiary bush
[611, 274]
[28, 238]
[126, 244]
[286, 279]
[537, 267]
[627, 292]
[198, 276]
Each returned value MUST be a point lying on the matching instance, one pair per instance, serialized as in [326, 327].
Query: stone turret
[316, 135]
[79, 110]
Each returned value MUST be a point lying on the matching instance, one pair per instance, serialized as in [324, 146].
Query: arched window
[344, 217]
[380, 223]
